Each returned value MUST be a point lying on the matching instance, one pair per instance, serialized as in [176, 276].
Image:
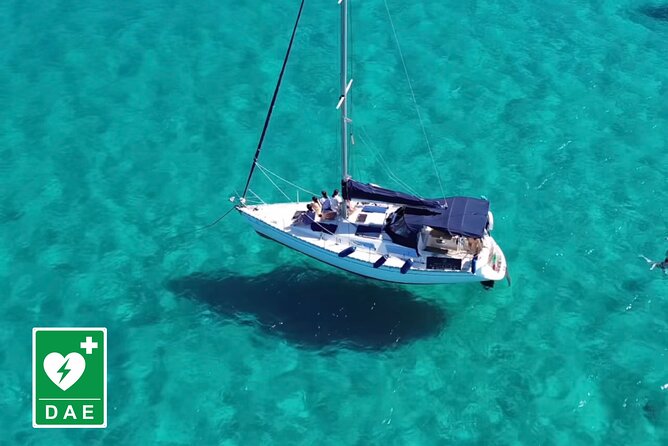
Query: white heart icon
[64, 371]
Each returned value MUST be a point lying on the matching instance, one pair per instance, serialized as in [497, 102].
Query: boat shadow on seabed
[316, 309]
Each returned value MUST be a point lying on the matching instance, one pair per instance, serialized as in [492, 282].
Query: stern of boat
[495, 266]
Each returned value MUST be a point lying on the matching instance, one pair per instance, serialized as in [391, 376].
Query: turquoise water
[125, 124]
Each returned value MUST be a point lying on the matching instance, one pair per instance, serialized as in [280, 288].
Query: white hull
[274, 221]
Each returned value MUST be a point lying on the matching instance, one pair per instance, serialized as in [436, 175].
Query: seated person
[328, 207]
[336, 199]
[317, 207]
[327, 212]
[339, 202]
[308, 217]
[323, 199]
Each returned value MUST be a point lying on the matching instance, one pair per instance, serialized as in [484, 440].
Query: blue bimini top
[463, 216]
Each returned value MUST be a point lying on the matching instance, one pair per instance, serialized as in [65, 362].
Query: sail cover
[355, 190]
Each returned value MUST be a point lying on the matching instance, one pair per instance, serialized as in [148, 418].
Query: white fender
[490, 221]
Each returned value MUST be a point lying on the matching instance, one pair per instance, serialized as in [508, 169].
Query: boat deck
[363, 230]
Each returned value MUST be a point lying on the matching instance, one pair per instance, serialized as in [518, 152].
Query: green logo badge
[69, 377]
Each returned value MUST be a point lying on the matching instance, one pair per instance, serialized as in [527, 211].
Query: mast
[344, 90]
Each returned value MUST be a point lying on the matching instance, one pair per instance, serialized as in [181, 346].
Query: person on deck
[308, 217]
[317, 207]
[336, 200]
[340, 202]
[328, 207]
[661, 265]
[324, 199]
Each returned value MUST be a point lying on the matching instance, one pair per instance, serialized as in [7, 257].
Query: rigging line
[275, 185]
[204, 227]
[364, 136]
[283, 179]
[417, 109]
[257, 197]
[392, 175]
[273, 100]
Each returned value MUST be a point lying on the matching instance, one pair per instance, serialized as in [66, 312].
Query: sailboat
[377, 232]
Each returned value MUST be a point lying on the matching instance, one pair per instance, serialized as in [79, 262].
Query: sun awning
[463, 216]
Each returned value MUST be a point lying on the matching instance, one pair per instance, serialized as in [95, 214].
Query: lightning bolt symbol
[64, 370]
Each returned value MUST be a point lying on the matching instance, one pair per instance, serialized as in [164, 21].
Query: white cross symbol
[89, 345]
